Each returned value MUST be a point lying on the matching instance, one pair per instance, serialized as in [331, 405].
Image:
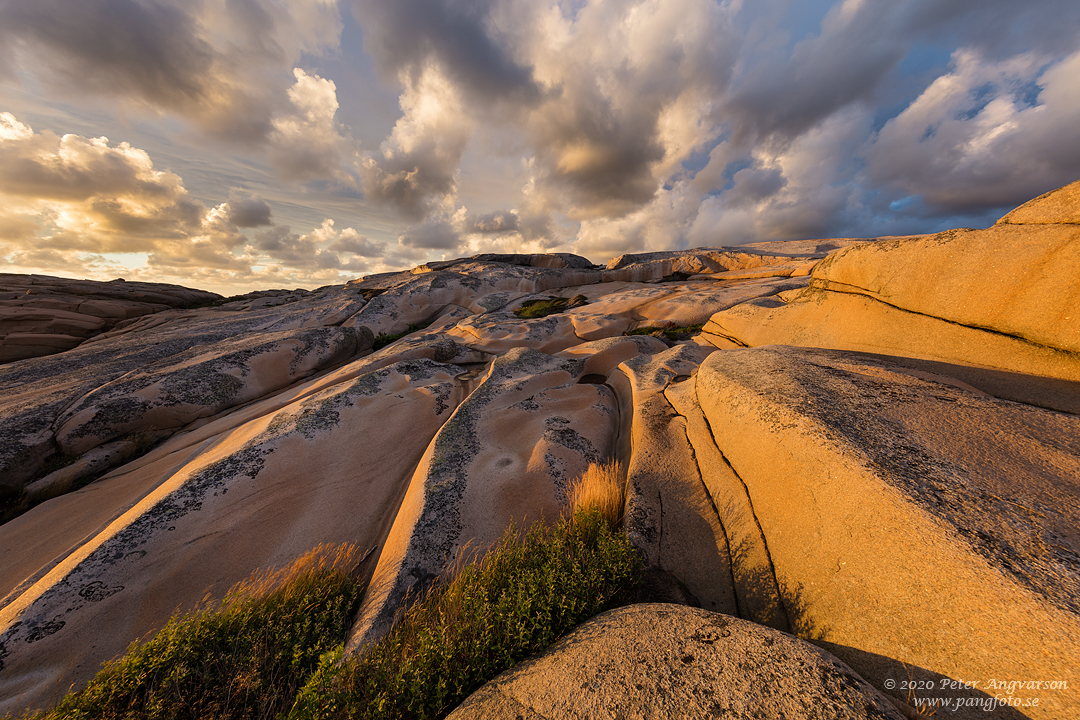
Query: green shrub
[382, 340]
[246, 658]
[671, 331]
[540, 307]
[516, 601]
[280, 633]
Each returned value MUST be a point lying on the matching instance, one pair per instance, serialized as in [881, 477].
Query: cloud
[976, 138]
[496, 222]
[350, 241]
[606, 125]
[222, 64]
[112, 195]
[416, 172]
[68, 201]
[455, 36]
[247, 211]
[306, 142]
[317, 249]
[432, 235]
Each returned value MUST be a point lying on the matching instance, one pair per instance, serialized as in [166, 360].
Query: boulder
[915, 524]
[661, 661]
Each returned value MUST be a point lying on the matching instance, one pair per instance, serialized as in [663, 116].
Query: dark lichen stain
[98, 591]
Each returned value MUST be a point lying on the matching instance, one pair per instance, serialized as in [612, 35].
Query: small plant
[670, 331]
[601, 488]
[541, 307]
[382, 340]
[246, 658]
[521, 597]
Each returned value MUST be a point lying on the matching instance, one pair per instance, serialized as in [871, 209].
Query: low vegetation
[670, 332]
[245, 658]
[274, 646]
[382, 340]
[601, 488]
[514, 602]
[542, 307]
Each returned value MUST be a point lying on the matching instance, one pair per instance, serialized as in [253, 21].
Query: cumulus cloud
[75, 204]
[221, 64]
[247, 211]
[417, 171]
[306, 142]
[436, 234]
[458, 37]
[496, 222]
[618, 125]
[352, 242]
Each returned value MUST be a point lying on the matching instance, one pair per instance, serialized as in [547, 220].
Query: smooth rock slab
[1005, 297]
[201, 382]
[97, 569]
[909, 518]
[35, 392]
[508, 454]
[659, 661]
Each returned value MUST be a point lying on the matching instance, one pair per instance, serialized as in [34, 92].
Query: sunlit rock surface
[672, 662]
[1004, 297]
[901, 490]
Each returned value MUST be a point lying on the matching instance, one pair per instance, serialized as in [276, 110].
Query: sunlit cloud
[67, 201]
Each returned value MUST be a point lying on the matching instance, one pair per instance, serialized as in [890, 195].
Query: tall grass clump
[245, 658]
[521, 597]
[603, 488]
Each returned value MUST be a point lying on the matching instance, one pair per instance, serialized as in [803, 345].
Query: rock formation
[674, 662]
[873, 445]
[42, 315]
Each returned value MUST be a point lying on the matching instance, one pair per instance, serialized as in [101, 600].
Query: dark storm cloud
[861, 45]
[222, 65]
[407, 34]
[997, 29]
[601, 156]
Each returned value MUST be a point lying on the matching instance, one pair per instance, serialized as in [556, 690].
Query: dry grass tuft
[601, 488]
[322, 559]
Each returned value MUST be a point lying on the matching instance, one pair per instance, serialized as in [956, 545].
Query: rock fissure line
[771, 568]
[833, 286]
[716, 511]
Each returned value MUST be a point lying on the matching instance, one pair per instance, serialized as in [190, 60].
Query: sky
[235, 145]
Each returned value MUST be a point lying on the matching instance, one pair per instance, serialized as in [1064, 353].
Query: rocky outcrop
[261, 410]
[1005, 297]
[668, 661]
[879, 456]
[914, 523]
[161, 372]
[42, 315]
